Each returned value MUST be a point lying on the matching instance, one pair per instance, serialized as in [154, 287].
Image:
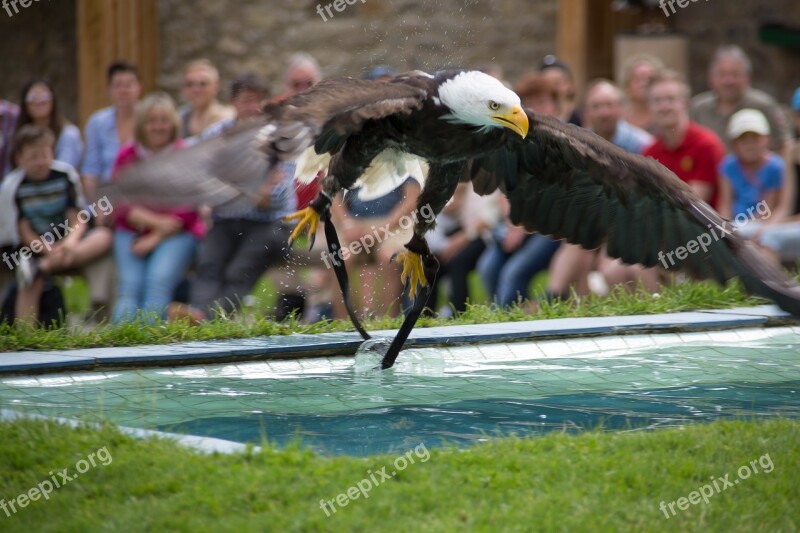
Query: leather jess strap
[431, 265]
[334, 247]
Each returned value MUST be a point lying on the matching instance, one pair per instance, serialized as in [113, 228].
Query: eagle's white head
[478, 99]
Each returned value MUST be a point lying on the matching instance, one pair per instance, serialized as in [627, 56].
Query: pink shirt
[192, 222]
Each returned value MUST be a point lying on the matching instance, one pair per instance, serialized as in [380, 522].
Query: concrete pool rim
[298, 346]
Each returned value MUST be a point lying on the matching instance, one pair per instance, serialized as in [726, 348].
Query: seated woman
[153, 246]
[39, 106]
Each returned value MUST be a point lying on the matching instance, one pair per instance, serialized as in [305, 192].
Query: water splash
[370, 354]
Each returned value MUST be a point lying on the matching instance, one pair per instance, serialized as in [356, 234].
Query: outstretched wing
[334, 109]
[569, 183]
[214, 172]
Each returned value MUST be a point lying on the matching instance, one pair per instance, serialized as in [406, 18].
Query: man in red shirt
[691, 151]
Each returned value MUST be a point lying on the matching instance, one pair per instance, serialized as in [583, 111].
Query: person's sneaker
[26, 272]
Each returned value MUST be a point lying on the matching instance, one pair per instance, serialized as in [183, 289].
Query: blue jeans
[507, 276]
[146, 283]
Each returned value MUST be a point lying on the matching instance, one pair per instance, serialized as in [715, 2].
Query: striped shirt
[44, 204]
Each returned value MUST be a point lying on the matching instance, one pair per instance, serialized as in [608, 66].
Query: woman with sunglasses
[40, 108]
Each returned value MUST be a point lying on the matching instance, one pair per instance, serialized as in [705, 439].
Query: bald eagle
[560, 180]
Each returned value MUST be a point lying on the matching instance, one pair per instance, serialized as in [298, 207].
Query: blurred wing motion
[214, 172]
[569, 183]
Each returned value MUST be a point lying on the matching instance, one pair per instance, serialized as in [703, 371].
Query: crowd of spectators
[734, 145]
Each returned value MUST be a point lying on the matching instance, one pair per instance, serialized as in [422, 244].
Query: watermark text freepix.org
[717, 485]
[8, 5]
[704, 240]
[374, 479]
[338, 5]
[47, 240]
[663, 4]
[378, 235]
[55, 481]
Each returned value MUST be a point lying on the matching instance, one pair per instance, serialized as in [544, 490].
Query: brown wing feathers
[331, 111]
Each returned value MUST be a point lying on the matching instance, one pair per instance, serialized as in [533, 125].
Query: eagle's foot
[413, 271]
[309, 218]
[308, 221]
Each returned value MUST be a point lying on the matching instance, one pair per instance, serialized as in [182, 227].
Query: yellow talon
[307, 217]
[413, 271]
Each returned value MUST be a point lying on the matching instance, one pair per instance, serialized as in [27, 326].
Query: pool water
[440, 396]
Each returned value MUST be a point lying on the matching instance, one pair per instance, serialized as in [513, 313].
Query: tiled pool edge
[305, 345]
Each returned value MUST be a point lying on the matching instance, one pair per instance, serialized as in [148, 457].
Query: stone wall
[260, 35]
[406, 34]
[40, 41]
[430, 34]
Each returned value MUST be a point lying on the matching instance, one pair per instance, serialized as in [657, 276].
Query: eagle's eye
[494, 106]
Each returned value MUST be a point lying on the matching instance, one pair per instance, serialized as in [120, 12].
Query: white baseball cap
[747, 120]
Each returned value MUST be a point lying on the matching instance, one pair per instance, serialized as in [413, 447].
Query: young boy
[751, 178]
[51, 222]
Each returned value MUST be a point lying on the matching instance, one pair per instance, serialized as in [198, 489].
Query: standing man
[604, 111]
[107, 131]
[690, 150]
[201, 91]
[730, 77]
[302, 73]
[110, 128]
[248, 235]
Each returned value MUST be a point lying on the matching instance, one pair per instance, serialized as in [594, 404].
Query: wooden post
[587, 30]
[572, 38]
[110, 30]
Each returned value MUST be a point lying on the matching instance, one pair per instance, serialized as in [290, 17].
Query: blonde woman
[153, 247]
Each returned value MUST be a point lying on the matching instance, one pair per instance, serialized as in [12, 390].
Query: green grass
[682, 297]
[593, 481]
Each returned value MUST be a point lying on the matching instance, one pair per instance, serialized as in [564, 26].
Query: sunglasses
[196, 83]
[43, 99]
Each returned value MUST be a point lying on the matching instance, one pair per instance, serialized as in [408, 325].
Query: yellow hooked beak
[516, 120]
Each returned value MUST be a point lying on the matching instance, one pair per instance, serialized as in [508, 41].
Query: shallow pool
[456, 395]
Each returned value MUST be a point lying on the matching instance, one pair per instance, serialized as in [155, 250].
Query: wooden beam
[110, 30]
[587, 31]
[572, 38]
